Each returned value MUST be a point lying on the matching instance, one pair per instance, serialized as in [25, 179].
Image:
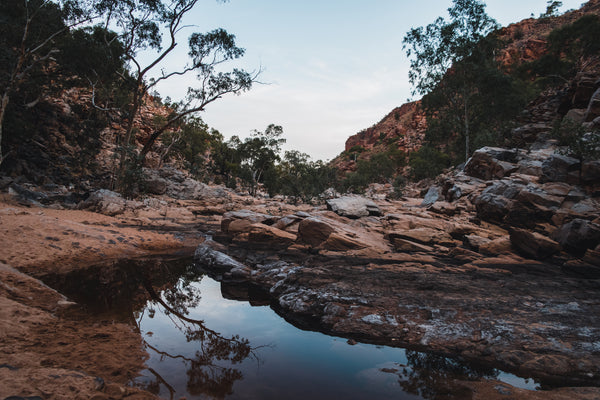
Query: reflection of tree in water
[205, 376]
[433, 376]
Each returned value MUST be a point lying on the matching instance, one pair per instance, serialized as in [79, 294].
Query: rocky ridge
[525, 41]
[403, 128]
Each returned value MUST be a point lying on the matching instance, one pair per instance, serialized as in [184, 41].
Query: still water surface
[205, 346]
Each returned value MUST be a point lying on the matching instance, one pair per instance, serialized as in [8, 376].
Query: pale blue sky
[333, 67]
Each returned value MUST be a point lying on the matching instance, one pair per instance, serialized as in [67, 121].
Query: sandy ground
[47, 347]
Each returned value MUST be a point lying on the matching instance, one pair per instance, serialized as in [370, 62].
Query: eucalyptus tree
[154, 27]
[259, 154]
[445, 60]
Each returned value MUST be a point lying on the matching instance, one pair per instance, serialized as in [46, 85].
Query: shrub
[428, 162]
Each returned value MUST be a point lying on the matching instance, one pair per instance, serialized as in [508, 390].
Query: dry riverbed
[51, 348]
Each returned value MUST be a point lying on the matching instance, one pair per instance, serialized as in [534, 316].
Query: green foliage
[568, 48]
[225, 161]
[580, 143]
[130, 180]
[380, 168]
[428, 162]
[398, 185]
[438, 46]
[192, 142]
[468, 100]
[301, 178]
[448, 62]
[259, 153]
[25, 26]
[551, 9]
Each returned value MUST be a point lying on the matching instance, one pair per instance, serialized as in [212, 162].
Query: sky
[330, 68]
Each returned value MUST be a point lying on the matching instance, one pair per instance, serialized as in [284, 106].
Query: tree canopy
[467, 97]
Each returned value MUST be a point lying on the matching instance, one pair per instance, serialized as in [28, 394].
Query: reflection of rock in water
[117, 288]
[433, 376]
[254, 295]
[123, 289]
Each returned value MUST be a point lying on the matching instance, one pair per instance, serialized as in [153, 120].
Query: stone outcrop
[593, 110]
[353, 207]
[560, 168]
[533, 244]
[403, 128]
[179, 185]
[314, 231]
[104, 201]
[492, 162]
[578, 235]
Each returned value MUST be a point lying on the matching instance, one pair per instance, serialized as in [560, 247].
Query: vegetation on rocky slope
[96, 125]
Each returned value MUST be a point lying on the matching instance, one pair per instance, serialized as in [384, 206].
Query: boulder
[491, 207]
[26, 196]
[237, 226]
[560, 189]
[560, 168]
[432, 195]
[492, 163]
[156, 185]
[329, 193]
[533, 244]
[314, 231]
[576, 115]
[179, 185]
[531, 167]
[104, 201]
[578, 235]
[5, 182]
[529, 133]
[454, 193]
[287, 221]
[516, 203]
[475, 242]
[593, 109]
[585, 86]
[215, 260]
[261, 235]
[497, 246]
[590, 172]
[247, 218]
[586, 206]
[328, 234]
[528, 214]
[535, 195]
[353, 207]
[340, 242]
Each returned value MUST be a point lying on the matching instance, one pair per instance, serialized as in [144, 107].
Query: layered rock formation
[403, 128]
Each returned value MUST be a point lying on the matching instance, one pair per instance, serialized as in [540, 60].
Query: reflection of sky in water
[290, 363]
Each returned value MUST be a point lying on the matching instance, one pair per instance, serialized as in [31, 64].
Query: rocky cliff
[525, 41]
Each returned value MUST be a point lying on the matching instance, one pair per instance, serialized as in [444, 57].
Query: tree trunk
[467, 133]
[3, 106]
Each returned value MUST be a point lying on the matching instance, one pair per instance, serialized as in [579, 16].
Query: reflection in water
[205, 377]
[431, 375]
[203, 343]
[127, 290]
